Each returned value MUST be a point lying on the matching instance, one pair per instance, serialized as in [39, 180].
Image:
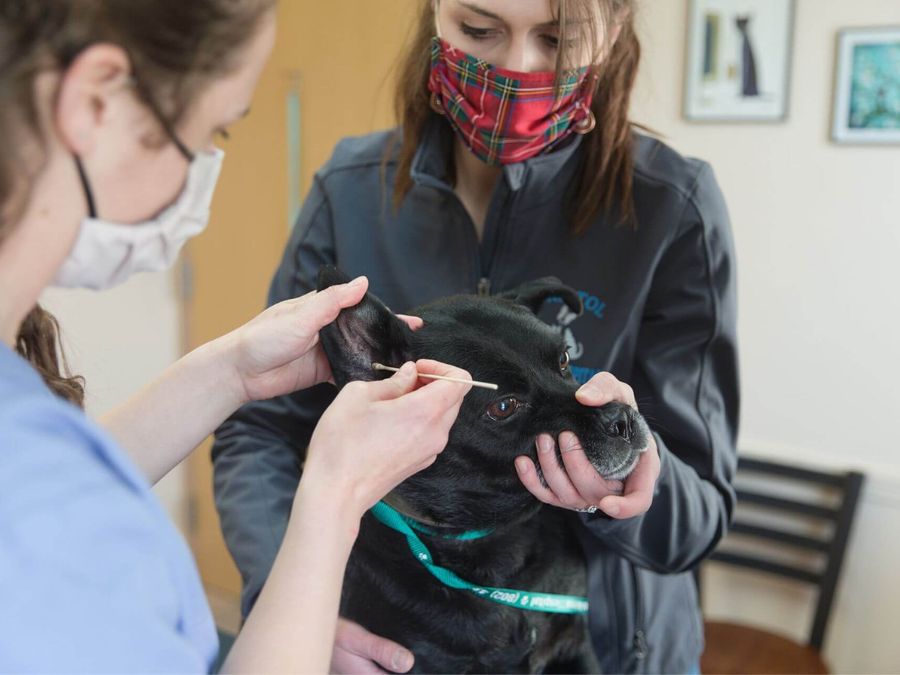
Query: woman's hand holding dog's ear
[577, 485]
[278, 351]
[377, 434]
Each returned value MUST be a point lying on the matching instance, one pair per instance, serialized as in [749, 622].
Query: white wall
[817, 229]
[119, 340]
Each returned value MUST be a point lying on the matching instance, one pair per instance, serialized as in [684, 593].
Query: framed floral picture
[738, 60]
[867, 86]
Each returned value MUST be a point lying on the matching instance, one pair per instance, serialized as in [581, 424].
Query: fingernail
[544, 444]
[521, 465]
[568, 442]
[358, 281]
[588, 390]
[402, 660]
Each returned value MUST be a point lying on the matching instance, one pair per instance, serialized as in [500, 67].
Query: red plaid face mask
[504, 116]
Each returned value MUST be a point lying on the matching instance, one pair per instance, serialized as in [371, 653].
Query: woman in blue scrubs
[108, 114]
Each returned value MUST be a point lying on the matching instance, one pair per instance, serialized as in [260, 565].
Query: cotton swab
[474, 383]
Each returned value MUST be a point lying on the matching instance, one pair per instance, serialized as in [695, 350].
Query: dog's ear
[532, 294]
[364, 334]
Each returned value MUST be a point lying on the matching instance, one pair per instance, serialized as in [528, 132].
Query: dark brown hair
[38, 343]
[605, 177]
[175, 46]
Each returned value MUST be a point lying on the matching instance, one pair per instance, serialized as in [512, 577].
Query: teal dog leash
[538, 602]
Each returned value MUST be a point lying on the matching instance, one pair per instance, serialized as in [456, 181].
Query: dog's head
[499, 339]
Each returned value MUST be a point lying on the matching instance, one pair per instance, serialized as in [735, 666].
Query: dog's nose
[620, 426]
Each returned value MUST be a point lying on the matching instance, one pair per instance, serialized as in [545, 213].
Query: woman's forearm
[274, 353]
[291, 628]
[162, 423]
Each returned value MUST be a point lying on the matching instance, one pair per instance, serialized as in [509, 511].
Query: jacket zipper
[483, 286]
[639, 641]
[503, 226]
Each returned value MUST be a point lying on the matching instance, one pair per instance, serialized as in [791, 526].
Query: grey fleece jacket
[659, 314]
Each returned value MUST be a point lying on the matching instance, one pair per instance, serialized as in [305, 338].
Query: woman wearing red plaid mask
[515, 158]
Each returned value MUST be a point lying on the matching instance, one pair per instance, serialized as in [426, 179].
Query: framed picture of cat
[738, 60]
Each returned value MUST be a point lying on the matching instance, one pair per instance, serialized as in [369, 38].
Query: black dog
[473, 485]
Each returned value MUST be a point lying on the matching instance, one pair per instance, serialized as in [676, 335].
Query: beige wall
[119, 340]
[817, 229]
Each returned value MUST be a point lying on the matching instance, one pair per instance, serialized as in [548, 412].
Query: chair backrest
[838, 516]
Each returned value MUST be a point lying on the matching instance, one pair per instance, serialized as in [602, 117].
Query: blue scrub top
[94, 577]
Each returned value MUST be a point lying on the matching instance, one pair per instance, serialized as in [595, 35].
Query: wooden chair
[735, 648]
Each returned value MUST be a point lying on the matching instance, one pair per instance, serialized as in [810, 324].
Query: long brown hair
[605, 176]
[176, 47]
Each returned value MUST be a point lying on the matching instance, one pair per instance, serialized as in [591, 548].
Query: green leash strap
[468, 535]
[538, 602]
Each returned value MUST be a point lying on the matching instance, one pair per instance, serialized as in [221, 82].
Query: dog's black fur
[473, 484]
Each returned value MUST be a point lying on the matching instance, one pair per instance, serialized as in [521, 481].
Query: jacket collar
[534, 179]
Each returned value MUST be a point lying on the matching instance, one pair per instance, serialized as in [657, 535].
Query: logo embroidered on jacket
[593, 306]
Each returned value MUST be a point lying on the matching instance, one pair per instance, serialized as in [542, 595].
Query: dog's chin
[622, 471]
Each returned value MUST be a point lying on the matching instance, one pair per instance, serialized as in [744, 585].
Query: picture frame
[866, 105]
[738, 61]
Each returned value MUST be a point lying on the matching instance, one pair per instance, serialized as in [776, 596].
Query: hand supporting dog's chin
[613, 479]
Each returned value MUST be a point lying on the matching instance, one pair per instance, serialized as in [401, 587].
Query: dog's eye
[500, 410]
[564, 361]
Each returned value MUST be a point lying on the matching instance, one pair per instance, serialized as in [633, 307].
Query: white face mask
[106, 254]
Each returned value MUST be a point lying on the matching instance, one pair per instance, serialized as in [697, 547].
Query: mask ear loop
[161, 118]
[88, 193]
